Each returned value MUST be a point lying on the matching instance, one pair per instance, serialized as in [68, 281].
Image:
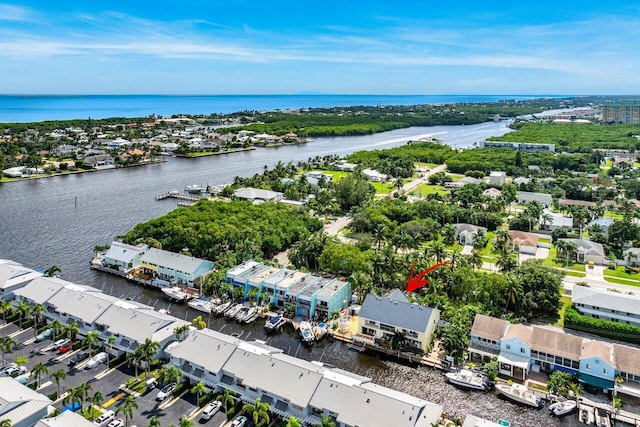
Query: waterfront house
[99, 161]
[515, 351]
[607, 305]
[306, 299]
[519, 146]
[123, 257]
[257, 195]
[465, 233]
[238, 270]
[14, 276]
[282, 287]
[522, 242]
[383, 317]
[486, 334]
[554, 350]
[473, 421]
[269, 283]
[39, 290]
[497, 178]
[374, 175]
[22, 406]
[588, 251]
[78, 304]
[314, 178]
[597, 367]
[255, 282]
[292, 292]
[525, 197]
[243, 278]
[333, 297]
[170, 268]
[628, 369]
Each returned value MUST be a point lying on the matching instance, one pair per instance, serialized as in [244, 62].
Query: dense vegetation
[574, 137]
[399, 161]
[605, 328]
[239, 230]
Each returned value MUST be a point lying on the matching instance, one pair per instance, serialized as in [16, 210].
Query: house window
[508, 346]
[604, 371]
[521, 350]
[588, 367]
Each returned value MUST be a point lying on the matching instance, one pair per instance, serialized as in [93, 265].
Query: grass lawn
[575, 273]
[425, 189]
[566, 302]
[552, 261]
[420, 165]
[456, 176]
[620, 281]
[381, 187]
[544, 240]
[613, 215]
[621, 273]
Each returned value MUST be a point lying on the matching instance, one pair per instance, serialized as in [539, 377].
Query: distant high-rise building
[627, 112]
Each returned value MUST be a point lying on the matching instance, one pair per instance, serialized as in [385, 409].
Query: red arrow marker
[418, 281]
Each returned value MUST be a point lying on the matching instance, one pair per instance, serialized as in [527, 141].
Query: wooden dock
[181, 197]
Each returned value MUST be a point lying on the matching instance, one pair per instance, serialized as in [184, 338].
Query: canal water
[59, 220]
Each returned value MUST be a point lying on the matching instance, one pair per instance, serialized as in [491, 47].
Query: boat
[274, 323]
[176, 293]
[231, 313]
[251, 316]
[602, 418]
[320, 330]
[220, 309]
[306, 332]
[240, 315]
[466, 378]
[560, 409]
[200, 304]
[194, 189]
[520, 394]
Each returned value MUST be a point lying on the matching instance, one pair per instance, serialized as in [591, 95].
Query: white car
[105, 418]
[166, 392]
[61, 343]
[211, 409]
[15, 369]
[96, 360]
[116, 423]
[239, 422]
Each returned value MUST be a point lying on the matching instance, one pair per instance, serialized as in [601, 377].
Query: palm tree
[133, 359]
[512, 290]
[91, 338]
[227, 400]
[127, 408]
[148, 351]
[83, 390]
[5, 307]
[181, 332]
[198, 390]
[96, 400]
[259, 411]
[22, 360]
[58, 376]
[72, 330]
[37, 312]
[73, 395]
[198, 322]
[449, 234]
[22, 310]
[293, 422]
[5, 423]
[37, 371]
[398, 340]
[153, 422]
[475, 259]
[480, 240]
[56, 328]
[52, 271]
[170, 374]
[108, 346]
[6, 346]
[326, 422]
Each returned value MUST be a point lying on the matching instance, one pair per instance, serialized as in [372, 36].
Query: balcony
[485, 348]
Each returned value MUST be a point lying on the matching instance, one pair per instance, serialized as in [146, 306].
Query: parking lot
[101, 379]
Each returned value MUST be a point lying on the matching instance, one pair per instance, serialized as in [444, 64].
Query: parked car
[24, 378]
[46, 334]
[61, 343]
[6, 367]
[151, 383]
[105, 418]
[96, 360]
[211, 409]
[239, 422]
[166, 392]
[65, 348]
[79, 357]
[116, 423]
[15, 369]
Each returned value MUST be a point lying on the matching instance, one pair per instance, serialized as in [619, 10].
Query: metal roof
[302, 283]
[19, 402]
[621, 303]
[174, 261]
[123, 252]
[148, 324]
[280, 275]
[41, 289]
[65, 419]
[206, 348]
[83, 305]
[411, 317]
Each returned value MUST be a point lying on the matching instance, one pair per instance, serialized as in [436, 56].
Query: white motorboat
[240, 315]
[251, 316]
[602, 418]
[175, 293]
[466, 378]
[194, 189]
[519, 393]
[220, 309]
[247, 316]
[231, 313]
[306, 332]
[274, 323]
[201, 305]
[560, 409]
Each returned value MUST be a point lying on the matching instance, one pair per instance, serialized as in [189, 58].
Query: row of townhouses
[293, 387]
[162, 268]
[522, 349]
[309, 295]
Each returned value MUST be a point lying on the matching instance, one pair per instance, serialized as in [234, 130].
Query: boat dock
[180, 197]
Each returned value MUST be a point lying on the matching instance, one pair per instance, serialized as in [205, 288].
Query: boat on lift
[201, 304]
[274, 323]
[466, 378]
[222, 308]
[306, 332]
[175, 293]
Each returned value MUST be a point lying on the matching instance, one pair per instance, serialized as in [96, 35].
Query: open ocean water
[34, 108]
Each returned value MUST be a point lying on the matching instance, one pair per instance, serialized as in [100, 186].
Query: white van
[105, 419]
[96, 360]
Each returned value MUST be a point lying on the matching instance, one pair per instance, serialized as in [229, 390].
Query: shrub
[605, 328]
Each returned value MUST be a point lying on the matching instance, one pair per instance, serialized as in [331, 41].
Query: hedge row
[605, 328]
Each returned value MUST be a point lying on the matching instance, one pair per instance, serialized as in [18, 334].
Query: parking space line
[47, 384]
[29, 341]
[107, 371]
[15, 334]
[172, 401]
[113, 400]
[66, 355]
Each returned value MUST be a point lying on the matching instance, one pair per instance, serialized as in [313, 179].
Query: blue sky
[286, 47]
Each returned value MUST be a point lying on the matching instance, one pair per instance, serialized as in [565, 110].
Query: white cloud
[14, 13]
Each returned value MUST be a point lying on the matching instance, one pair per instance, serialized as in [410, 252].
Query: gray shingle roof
[206, 348]
[41, 289]
[411, 317]
[123, 252]
[65, 419]
[587, 247]
[16, 273]
[86, 306]
[256, 194]
[148, 323]
[622, 303]
[18, 402]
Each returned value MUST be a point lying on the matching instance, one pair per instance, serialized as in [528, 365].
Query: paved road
[412, 185]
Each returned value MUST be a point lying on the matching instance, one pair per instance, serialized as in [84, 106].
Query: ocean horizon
[34, 108]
